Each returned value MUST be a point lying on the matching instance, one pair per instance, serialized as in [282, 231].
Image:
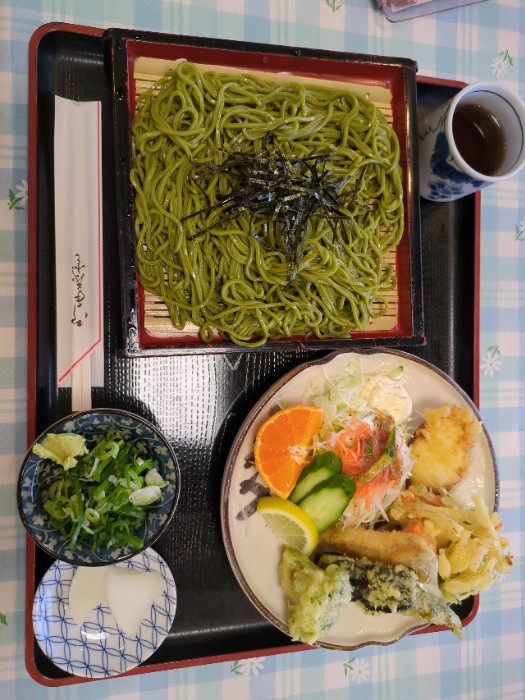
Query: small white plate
[99, 648]
[254, 552]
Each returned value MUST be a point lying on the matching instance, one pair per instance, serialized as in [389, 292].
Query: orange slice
[281, 446]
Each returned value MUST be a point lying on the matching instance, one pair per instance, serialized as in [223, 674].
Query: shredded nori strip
[288, 190]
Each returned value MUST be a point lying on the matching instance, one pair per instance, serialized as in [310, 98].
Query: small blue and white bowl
[37, 474]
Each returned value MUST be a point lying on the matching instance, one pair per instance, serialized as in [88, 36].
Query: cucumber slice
[321, 468]
[327, 501]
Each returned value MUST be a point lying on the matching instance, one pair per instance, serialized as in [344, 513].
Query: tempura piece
[386, 588]
[316, 596]
[387, 547]
[471, 550]
[442, 447]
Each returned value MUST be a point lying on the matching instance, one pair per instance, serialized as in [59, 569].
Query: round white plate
[99, 648]
[254, 552]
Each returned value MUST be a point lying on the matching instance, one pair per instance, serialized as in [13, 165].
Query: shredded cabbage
[354, 396]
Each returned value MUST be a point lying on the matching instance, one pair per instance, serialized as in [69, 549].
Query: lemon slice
[289, 522]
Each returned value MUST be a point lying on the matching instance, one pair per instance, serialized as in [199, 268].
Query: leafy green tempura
[393, 588]
[316, 596]
[101, 498]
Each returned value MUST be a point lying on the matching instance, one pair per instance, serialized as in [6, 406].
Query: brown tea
[479, 138]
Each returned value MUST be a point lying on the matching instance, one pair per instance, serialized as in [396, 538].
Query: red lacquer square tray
[138, 59]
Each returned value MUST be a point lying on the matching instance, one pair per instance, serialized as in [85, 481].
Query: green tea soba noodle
[206, 244]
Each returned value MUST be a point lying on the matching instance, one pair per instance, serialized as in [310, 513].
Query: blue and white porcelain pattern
[37, 474]
[442, 179]
[99, 648]
[444, 175]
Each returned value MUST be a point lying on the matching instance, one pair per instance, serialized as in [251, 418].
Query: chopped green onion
[92, 515]
[145, 496]
[100, 501]
[153, 478]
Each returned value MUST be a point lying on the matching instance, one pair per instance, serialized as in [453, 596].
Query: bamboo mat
[156, 318]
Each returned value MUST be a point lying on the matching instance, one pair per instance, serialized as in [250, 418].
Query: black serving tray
[199, 401]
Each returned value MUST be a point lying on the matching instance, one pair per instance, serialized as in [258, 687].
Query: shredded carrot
[351, 444]
[369, 491]
[417, 527]
[433, 499]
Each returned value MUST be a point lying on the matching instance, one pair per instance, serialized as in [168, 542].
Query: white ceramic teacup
[454, 159]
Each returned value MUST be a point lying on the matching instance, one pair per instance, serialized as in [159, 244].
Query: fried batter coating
[442, 447]
[395, 547]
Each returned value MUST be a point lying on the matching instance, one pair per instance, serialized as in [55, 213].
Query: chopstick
[81, 386]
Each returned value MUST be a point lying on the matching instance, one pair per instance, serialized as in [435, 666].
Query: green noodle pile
[234, 279]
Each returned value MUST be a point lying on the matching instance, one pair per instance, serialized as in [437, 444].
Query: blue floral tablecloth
[484, 41]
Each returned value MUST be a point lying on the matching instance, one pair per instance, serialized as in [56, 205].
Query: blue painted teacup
[472, 141]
